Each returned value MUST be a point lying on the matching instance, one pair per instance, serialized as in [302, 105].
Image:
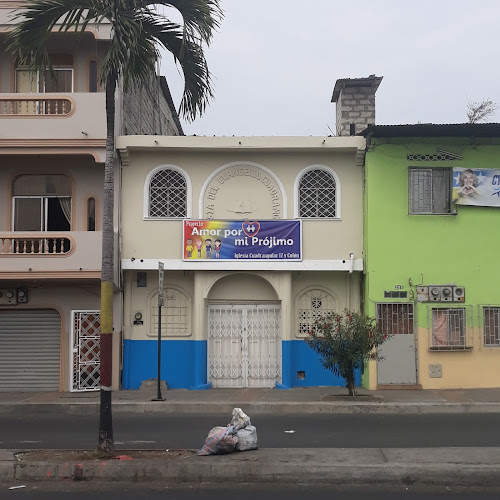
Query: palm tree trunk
[106, 442]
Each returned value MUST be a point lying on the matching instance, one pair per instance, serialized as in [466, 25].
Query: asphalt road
[153, 431]
[135, 491]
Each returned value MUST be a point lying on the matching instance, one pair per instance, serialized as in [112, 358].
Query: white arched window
[175, 314]
[312, 305]
[168, 193]
[318, 193]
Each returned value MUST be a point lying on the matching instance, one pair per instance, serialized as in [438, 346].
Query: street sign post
[161, 269]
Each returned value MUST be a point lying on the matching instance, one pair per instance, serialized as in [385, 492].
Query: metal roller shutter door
[30, 350]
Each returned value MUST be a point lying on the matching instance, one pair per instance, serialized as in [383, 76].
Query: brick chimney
[355, 99]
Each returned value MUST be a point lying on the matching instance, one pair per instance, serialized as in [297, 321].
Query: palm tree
[137, 33]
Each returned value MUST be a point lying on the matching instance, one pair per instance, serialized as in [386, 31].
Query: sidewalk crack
[384, 458]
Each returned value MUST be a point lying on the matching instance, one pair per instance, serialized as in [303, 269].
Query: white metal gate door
[244, 345]
[399, 351]
[85, 351]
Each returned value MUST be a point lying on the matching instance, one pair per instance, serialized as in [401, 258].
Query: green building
[432, 254]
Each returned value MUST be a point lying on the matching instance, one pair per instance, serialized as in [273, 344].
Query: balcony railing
[35, 105]
[25, 244]
[50, 254]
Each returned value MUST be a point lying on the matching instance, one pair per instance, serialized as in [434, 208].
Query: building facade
[52, 153]
[236, 311]
[432, 210]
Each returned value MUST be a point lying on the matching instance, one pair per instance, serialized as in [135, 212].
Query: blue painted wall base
[184, 365]
[202, 387]
[302, 368]
[281, 387]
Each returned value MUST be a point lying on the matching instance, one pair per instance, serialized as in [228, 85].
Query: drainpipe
[349, 278]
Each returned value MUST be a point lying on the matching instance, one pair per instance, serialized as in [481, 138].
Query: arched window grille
[168, 194]
[311, 306]
[175, 314]
[317, 194]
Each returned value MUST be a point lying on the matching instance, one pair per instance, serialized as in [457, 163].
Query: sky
[275, 63]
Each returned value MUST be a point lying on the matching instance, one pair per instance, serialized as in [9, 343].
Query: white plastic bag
[240, 420]
[247, 438]
[220, 441]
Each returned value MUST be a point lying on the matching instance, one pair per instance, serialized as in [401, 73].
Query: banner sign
[476, 187]
[242, 240]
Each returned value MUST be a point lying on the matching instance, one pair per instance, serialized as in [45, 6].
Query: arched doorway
[244, 333]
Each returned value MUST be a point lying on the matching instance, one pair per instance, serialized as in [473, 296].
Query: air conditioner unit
[447, 293]
[8, 296]
[458, 294]
[434, 293]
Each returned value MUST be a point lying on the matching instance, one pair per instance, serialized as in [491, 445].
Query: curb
[257, 466]
[261, 408]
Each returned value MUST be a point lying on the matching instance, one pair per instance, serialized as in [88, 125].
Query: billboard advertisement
[479, 187]
[205, 240]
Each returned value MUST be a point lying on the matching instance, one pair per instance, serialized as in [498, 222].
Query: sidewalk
[310, 400]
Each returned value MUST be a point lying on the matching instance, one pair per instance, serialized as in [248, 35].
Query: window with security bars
[491, 326]
[311, 306]
[395, 319]
[449, 330]
[167, 194]
[317, 195]
[429, 190]
[175, 314]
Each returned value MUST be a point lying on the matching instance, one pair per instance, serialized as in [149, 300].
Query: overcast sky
[275, 62]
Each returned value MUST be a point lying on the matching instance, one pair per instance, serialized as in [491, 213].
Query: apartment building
[52, 153]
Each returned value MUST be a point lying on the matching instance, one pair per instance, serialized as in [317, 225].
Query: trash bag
[240, 420]
[220, 441]
[247, 438]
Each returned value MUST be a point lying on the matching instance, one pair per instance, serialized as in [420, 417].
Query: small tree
[344, 342]
[479, 111]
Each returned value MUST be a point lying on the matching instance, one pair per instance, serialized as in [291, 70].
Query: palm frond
[200, 17]
[197, 79]
[28, 41]
[137, 29]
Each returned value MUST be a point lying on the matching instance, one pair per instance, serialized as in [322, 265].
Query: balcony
[29, 106]
[52, 118]
[7, 9]
[53, 244]
[44, 254]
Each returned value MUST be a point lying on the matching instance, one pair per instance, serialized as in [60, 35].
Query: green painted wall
[463, 249]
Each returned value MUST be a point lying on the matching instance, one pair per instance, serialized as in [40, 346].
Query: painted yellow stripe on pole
[106, 307]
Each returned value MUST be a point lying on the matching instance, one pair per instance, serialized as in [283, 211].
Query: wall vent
[435, 157]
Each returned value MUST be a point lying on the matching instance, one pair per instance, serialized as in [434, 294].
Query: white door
[244, 345]
[399, 351]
